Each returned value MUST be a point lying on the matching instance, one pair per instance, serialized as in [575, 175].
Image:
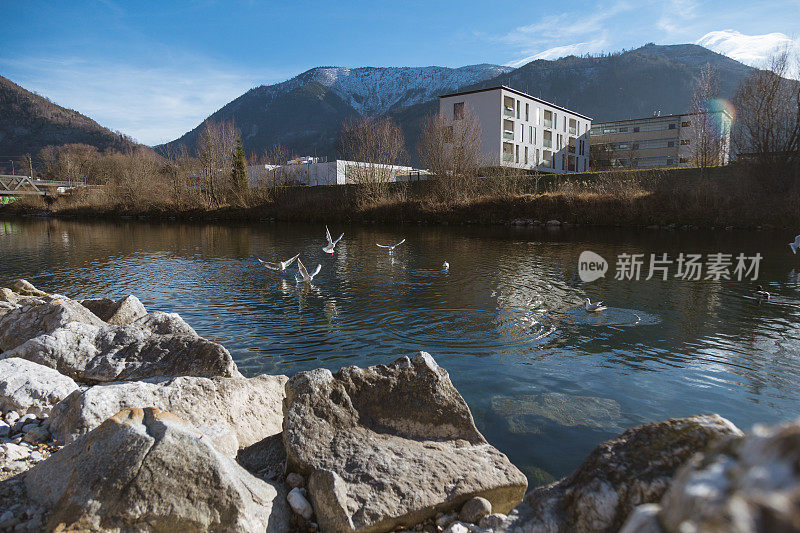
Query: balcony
[508, 111]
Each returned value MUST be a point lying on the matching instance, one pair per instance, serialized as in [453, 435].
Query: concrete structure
[656, 141]
[522, 131]
[313, 171]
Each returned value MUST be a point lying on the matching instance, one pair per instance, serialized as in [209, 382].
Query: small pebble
[299, 503]
[295, 480]
[475, 509]
[492, 521]
[11, 417]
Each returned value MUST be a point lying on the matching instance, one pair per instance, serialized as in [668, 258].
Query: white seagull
[391, 247]
[306, 277]
[795, 245]
[280, 265]
[328, 249]
[761, 294]
[593, 307]
[445, 266]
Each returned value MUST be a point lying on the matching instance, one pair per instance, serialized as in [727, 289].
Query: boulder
[252, 408]
[35, 316]
[744, 484]
[119, 313]
[633, 469]
[148, 470]
[392, 445]
[165, 324]
[28, 387]
[95, 354]
[25, 288]
[475, 509]
[8, 296]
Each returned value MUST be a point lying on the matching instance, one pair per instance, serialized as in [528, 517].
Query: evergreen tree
[240, 182]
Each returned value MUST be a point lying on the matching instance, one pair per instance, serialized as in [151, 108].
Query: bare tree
[451, 150]
[215, 148]
[767, 133]
[375, 146]
[708, 139]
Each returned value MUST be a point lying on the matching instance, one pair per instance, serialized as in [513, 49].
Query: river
[546, 381]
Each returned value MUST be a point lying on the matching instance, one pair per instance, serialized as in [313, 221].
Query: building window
[670, 144]
[686, 124]
[571, 163]
[517, 108]
[526, 155]
[565, 123]
[547, 158]
[685, 142]
[548, 119]
[508, 106]
[527, 112]
[522, 132]
[508, 152]
[508, 129]
[530, 135]
[516, 160]
[458, 110]
[573, 126]
[671, 126]
[622, 129]
[537, 157]
[636, 129]
[547, 137]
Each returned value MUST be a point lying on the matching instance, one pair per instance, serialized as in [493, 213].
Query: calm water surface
[546, 381]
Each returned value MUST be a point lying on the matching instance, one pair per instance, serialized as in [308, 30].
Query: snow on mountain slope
[374, 90]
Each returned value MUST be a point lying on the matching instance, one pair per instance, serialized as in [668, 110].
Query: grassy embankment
[724, 197]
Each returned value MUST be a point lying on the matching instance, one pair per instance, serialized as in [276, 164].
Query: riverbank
[115, 416]
[724, 197]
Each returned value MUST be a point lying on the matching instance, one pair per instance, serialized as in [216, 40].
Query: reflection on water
[545, 380]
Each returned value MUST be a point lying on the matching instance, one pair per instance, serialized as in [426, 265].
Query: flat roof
[515, 92]
[658, 117]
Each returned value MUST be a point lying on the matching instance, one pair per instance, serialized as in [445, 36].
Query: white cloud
[675, 16]
[536, 40]
[152, 105]
[752, 50]
[561, 51]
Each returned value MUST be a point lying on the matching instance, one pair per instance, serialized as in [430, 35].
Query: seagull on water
[305, 276]
[445, 266]
[328, 249]
[593, 307]
[280, 265]
[795, 245]
[391, 247]
[761, 294]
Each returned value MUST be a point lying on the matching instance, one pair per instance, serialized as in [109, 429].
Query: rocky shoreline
[116, 418]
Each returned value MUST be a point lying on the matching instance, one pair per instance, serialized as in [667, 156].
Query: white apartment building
[523, 131]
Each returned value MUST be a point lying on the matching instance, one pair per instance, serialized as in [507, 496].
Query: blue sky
[155, 69]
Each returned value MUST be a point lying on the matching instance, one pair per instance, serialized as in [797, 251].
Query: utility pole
[30, 166]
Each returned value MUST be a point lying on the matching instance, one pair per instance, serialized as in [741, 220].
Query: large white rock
[37, 316]
[148, 470]
[119, 313]
[28, 387]
[745, 484]
[390, 445]
[251, 408]
[94, 354]
[633, 469]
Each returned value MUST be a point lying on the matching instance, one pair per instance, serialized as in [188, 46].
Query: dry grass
[726, 197]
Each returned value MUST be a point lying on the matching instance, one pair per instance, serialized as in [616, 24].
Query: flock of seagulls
[304, 276]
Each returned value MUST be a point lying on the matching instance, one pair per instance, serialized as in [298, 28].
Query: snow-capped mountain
[374, 90]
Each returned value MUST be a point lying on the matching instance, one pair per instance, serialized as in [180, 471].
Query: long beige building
[522, 131]
[658, 141]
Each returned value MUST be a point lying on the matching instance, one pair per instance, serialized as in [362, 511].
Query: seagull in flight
[280, 265]
[328, 249]
[391, 247]
[305, 276]
[593, 307]
[795, 245]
